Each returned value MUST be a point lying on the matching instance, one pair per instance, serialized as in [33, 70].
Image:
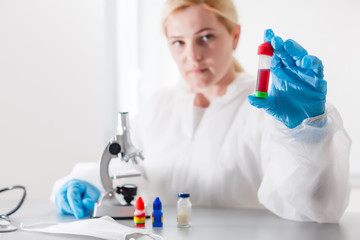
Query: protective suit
[235, 155]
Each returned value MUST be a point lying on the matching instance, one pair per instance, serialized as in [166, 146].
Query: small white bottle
[184, 210]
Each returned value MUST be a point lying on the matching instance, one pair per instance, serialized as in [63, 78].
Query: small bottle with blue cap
[184, 210]
[157, 215]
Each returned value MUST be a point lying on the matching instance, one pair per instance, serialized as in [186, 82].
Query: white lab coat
[239, 156]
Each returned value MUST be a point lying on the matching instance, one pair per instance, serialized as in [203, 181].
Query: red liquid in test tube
[265, 52]
[263, 80]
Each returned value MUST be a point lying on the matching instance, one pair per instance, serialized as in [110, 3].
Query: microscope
[119, 147]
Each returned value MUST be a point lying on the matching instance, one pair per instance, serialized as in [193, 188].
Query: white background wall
[57, 102]
[57, 73]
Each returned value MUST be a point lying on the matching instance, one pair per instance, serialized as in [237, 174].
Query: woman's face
[201, 46]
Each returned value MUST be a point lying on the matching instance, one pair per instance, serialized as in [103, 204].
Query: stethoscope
[5, 223]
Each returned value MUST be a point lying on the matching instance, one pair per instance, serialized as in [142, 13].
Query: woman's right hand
[76, 197]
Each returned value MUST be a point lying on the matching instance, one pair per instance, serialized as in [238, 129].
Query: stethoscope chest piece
[5, 226]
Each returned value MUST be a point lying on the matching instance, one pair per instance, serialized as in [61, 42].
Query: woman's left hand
[298, 90]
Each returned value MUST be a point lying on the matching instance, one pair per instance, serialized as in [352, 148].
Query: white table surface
[207, 223]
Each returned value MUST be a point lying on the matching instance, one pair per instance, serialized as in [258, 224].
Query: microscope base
[116, 211]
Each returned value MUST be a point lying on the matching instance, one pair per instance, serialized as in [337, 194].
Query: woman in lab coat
[207, 138]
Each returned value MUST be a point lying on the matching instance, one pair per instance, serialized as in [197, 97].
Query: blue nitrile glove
[298, 90]
[76, 197]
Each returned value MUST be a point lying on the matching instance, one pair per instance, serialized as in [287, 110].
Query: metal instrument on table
[5, 223]
[119, 147]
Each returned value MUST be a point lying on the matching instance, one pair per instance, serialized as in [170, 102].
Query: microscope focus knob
[114, 148]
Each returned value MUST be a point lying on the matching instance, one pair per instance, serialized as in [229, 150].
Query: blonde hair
[224, 10]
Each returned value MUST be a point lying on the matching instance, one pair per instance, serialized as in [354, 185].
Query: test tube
[265, 52]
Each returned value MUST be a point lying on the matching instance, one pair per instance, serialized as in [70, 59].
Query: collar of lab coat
[242, 84]
[236, 87]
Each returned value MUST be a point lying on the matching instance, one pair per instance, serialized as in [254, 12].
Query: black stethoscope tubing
[6, 215]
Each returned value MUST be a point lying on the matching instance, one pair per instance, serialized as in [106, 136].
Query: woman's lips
[198, 70]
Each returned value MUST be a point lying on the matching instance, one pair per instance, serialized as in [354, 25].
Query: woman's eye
[177, 43]
[207, 37]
